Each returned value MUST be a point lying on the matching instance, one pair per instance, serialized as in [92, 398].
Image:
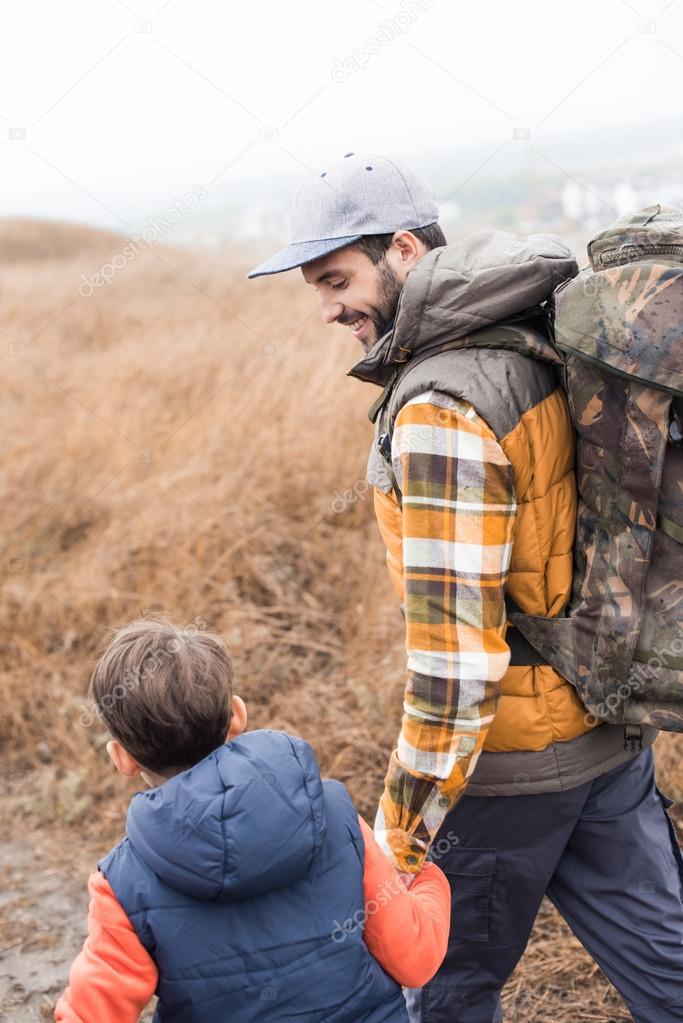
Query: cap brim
[299, 253]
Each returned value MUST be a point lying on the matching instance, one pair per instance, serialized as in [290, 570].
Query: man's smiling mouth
[357, 325]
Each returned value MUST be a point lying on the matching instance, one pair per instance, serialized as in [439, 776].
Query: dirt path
[43, 913]
[42, 923]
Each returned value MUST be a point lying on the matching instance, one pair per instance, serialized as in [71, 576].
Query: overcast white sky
[109, 109]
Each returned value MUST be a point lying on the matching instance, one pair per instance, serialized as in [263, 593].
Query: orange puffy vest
[520, 400]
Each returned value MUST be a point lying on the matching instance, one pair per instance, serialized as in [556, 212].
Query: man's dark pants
[606, 856]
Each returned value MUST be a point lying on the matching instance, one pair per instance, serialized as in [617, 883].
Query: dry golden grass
[176, 442]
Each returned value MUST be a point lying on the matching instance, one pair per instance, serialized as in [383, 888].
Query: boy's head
[165, 694]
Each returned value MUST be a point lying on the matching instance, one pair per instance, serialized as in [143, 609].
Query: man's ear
[238, 720]
[123, 762]
[404, 253]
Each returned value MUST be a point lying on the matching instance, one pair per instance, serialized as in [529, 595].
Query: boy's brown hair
[165, 693]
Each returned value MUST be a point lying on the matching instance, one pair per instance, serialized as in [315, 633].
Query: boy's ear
[238, 719]
[123, 761]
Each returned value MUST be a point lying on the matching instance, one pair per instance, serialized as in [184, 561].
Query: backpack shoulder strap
[504, 372]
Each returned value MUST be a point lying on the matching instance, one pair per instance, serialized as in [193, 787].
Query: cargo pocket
[447, 1002]
[678, 855]
[470, 874]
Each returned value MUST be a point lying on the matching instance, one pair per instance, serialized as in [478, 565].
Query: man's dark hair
[165, 692]
[374, 246]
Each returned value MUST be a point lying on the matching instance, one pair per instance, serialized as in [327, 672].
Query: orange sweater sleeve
[406, 930]
[113, 978]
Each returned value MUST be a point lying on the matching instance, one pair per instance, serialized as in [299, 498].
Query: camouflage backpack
[619, 328]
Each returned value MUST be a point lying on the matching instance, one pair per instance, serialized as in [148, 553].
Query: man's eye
[342, 285]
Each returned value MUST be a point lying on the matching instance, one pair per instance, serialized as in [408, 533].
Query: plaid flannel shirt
[458, 512]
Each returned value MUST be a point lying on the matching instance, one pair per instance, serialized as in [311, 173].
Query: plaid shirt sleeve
[458, 514]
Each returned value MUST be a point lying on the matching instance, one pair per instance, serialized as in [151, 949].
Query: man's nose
[330, 311]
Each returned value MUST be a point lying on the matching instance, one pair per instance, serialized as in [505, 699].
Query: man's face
[356, 292]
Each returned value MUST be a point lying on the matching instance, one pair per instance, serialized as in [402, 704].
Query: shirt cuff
[406, 852]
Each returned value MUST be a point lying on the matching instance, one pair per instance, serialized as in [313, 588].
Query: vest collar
[484, 279]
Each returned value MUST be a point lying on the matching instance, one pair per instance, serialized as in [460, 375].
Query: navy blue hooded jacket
[238, 876]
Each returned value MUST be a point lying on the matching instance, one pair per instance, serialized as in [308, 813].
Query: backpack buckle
[633, 738]
[384, 445]
[676, 424]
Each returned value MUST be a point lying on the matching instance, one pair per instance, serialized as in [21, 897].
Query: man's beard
[389, 291]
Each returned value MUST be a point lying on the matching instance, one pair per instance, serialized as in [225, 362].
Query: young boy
[247, 888]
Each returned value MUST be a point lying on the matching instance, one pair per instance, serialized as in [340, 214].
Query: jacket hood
[246, 820]
[486, 278]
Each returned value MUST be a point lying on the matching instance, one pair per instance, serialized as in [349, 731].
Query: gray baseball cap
[361, 194]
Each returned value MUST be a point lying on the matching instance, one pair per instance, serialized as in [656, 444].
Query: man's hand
[406, 878]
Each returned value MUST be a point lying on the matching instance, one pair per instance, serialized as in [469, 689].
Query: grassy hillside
[181, 441]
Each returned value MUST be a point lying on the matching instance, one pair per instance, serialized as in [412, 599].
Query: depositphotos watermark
[386, 892]
[90, 712]
[342, 499]
[417, 438]
[146, 239]
[641, 675]
[387, 30]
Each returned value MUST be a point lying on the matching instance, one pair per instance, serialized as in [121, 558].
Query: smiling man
[359, 287]
[498, 774]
